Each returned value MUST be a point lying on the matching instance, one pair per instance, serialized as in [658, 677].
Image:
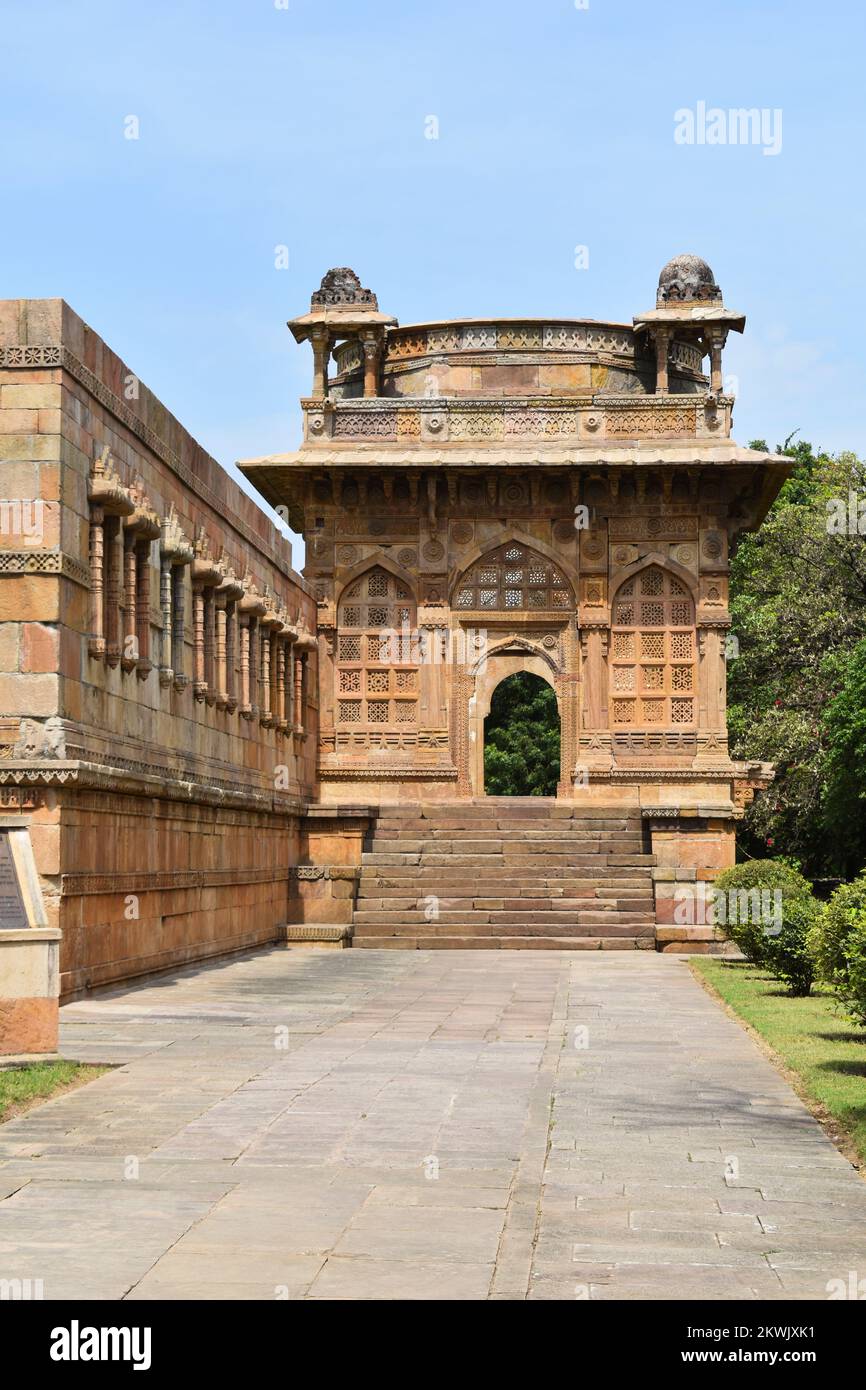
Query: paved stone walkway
[471, 1125]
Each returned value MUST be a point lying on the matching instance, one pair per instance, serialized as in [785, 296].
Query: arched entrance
[492, 671]
[522, 744]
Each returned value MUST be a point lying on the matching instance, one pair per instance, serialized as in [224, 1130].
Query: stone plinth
[29, 949]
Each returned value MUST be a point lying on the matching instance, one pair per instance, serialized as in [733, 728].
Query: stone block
[33, 695]
[40, 648]
[9, 646]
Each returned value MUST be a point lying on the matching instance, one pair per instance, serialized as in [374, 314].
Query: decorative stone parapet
[583, 418]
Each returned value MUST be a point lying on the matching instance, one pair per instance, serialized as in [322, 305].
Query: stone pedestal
[29, 953]
[692, 846]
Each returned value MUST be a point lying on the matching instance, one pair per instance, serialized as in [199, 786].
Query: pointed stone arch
[377, 659]
[520, 537]
[518, 647]
[499, 664]
[513, 576]
[653, 660]
[623, 573]
[382, 561]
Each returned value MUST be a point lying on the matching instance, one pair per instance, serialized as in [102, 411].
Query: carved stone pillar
[304, 644]
[175, 552]
[231, 655]
[251, 607]
[199, 686]
[265, 714]
[269, 625]
[142, 610]
[716, 342]
[225, 598]
[178, 619]
[142, 527]
[568, 691]
[663, 343]
[96, 645]
[287, 679]
[165, 671]
[210, 645]
[594, 751]
[321, 352]
[245, 706]
[712, 731]
[110, 501]
[327, 681]
[129, 655]
[206, 575]
[280, 706]
[371, 345]
[298, 702]
[222, 695]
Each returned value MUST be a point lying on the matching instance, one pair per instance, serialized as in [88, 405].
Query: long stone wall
[158, 708]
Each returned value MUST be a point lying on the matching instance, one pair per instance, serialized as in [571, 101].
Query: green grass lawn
[21, 1087]
[823, 1053]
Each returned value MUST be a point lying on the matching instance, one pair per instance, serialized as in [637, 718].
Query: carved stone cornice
[50, 562]
[144, 780]
[386, 773]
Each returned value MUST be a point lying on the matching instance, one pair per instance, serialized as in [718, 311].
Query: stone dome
[340, 286]
[687, 277]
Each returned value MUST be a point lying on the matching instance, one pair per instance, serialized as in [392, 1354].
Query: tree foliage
[797, 686]
[521, 738]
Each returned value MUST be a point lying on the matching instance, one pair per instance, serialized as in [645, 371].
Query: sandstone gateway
[210, 752]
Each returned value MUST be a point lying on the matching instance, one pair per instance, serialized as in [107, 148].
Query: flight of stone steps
[505, 872]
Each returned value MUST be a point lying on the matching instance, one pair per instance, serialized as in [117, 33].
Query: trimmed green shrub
[769, 933]
[838, 943]
[787, 953]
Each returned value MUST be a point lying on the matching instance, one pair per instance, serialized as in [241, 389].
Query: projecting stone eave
[279, 478]
[340, 321]
[623, 454]
[692, 316]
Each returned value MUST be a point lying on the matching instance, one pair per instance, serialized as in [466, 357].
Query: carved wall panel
[653, 653]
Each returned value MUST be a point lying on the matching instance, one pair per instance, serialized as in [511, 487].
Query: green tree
[797, 685]
[521, 738]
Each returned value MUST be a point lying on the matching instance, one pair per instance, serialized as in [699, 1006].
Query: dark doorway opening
[521, 738]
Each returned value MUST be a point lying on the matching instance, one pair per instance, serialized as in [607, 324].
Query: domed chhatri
[341, 286]
[687, 278]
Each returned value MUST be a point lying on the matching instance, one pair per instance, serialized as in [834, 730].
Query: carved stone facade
[560, 497]
[199, 739]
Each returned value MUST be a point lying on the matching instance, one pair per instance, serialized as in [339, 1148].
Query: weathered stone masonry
[158, 686]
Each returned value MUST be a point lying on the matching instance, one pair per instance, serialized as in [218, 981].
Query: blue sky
[304, 126]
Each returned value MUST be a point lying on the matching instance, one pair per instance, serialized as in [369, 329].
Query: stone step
[445, 824]
[558, 926]
[510, 808]
[505, 874]
[599, 924]
[395, 901]
[489, 834]
[459, 942]
[542, 861]
[400, 875]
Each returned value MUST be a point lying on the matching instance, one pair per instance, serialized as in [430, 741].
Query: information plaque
[13, 913]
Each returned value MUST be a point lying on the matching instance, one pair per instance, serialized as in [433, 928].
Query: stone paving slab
[424, 1125]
